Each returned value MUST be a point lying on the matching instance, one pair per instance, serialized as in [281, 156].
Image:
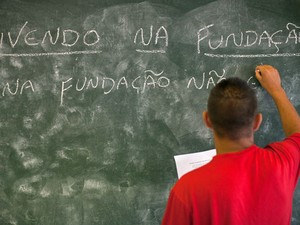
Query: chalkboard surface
[96, 97]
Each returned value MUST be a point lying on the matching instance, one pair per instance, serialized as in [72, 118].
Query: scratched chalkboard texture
[96, 97]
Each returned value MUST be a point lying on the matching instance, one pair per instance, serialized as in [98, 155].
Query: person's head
[232, 109]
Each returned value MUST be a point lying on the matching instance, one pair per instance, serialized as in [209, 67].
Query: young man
[243, 184]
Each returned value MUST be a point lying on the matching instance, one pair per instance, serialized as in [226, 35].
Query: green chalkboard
[97, 96]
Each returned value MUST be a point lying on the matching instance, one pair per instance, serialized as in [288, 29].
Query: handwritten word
[161, 33]
[11, 89]
[67, 38]
[206, 80]
[247, 39]
[108, 84]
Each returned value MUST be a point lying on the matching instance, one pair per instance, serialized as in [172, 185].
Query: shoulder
[295, 138]
[288, 149]
[291, 142]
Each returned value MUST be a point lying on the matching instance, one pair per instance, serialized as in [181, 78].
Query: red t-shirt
[254, 186]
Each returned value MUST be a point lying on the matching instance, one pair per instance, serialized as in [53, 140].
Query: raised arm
[269, 79]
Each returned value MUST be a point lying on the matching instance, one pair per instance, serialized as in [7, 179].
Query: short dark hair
[232, 106]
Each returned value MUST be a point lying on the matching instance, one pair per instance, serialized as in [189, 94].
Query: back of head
[232, 106]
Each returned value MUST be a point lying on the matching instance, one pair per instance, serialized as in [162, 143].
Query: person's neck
[225, 145]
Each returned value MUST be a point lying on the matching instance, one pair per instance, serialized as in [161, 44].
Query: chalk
[258, 71]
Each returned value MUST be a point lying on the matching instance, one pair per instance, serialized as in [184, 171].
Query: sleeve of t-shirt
[176, 213]
[289, 150]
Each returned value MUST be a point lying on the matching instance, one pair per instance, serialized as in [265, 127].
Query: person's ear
[257, 121]
[206, 119]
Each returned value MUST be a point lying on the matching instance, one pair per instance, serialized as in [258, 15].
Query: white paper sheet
[188, 162]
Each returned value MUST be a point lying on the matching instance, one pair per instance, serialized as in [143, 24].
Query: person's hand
[269, 78]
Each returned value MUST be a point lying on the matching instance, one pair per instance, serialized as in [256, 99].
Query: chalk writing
[206, 38]
[150, 79]
[156, 41]
[151, 41]
[49, 54]
[206, 80]
[251, 82]
[17, 88]
[141, 84]
[252, 55]
[65, 37]
[161, 33]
